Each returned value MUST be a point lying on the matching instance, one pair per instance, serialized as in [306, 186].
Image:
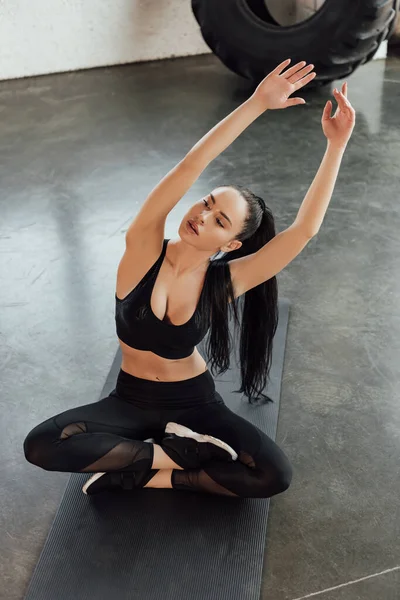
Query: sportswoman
[164, 425]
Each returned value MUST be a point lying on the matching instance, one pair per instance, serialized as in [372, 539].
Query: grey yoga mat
[162, 544]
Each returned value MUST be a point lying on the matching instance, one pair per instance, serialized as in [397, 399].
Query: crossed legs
[108, 436]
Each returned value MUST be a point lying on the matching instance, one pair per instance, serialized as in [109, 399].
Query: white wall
[50, 36]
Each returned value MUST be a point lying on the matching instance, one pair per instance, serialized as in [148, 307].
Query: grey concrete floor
[79, 153]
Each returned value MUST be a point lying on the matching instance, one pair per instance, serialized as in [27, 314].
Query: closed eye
[218, 220]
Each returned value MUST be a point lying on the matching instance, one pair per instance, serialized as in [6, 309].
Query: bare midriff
[147, 365]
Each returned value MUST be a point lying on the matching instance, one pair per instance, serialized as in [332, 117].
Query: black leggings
[101, 436]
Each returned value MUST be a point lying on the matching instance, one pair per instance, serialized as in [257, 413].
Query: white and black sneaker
[190, 450]
[117, 480]
[114, 480]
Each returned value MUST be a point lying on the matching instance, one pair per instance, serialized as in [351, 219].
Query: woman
[169, 293]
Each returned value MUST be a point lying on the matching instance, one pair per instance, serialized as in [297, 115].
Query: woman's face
[217, 219]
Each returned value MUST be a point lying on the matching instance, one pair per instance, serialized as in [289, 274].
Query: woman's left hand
[339, 128]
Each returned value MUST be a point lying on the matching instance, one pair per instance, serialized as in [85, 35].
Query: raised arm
[164, 197]
[249, 271]
[272, 93]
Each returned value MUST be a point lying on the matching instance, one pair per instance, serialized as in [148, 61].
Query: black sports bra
[138, 327]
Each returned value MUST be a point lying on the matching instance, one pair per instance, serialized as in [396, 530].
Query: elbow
[308, 233]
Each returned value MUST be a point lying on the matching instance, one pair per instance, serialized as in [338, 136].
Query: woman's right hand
[338, 129]
[274, 91]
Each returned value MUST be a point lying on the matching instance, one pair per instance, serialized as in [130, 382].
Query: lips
[194, 226]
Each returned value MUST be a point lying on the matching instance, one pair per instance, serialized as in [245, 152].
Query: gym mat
[163, 544]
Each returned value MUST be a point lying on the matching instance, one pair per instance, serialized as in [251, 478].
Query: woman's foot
[190, 450]
[117, 480]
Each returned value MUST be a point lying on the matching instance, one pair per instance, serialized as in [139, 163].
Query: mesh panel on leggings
[73, 429]
[123, 456]
[246, 459]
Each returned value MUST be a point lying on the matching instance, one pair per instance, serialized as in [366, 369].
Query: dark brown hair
[259, 314]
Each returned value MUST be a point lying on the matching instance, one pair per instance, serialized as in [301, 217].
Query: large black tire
[337, 39]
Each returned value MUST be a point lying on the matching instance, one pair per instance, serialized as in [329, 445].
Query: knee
[284, 479]
[38, 446]
[277, 482]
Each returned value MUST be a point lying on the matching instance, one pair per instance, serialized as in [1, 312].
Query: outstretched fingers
[298, 75]
[299, 71]
[278, 70]
[294, 69]
[304, 80]
[343, 103]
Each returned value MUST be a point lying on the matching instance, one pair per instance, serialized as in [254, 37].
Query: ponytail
[259, 315]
